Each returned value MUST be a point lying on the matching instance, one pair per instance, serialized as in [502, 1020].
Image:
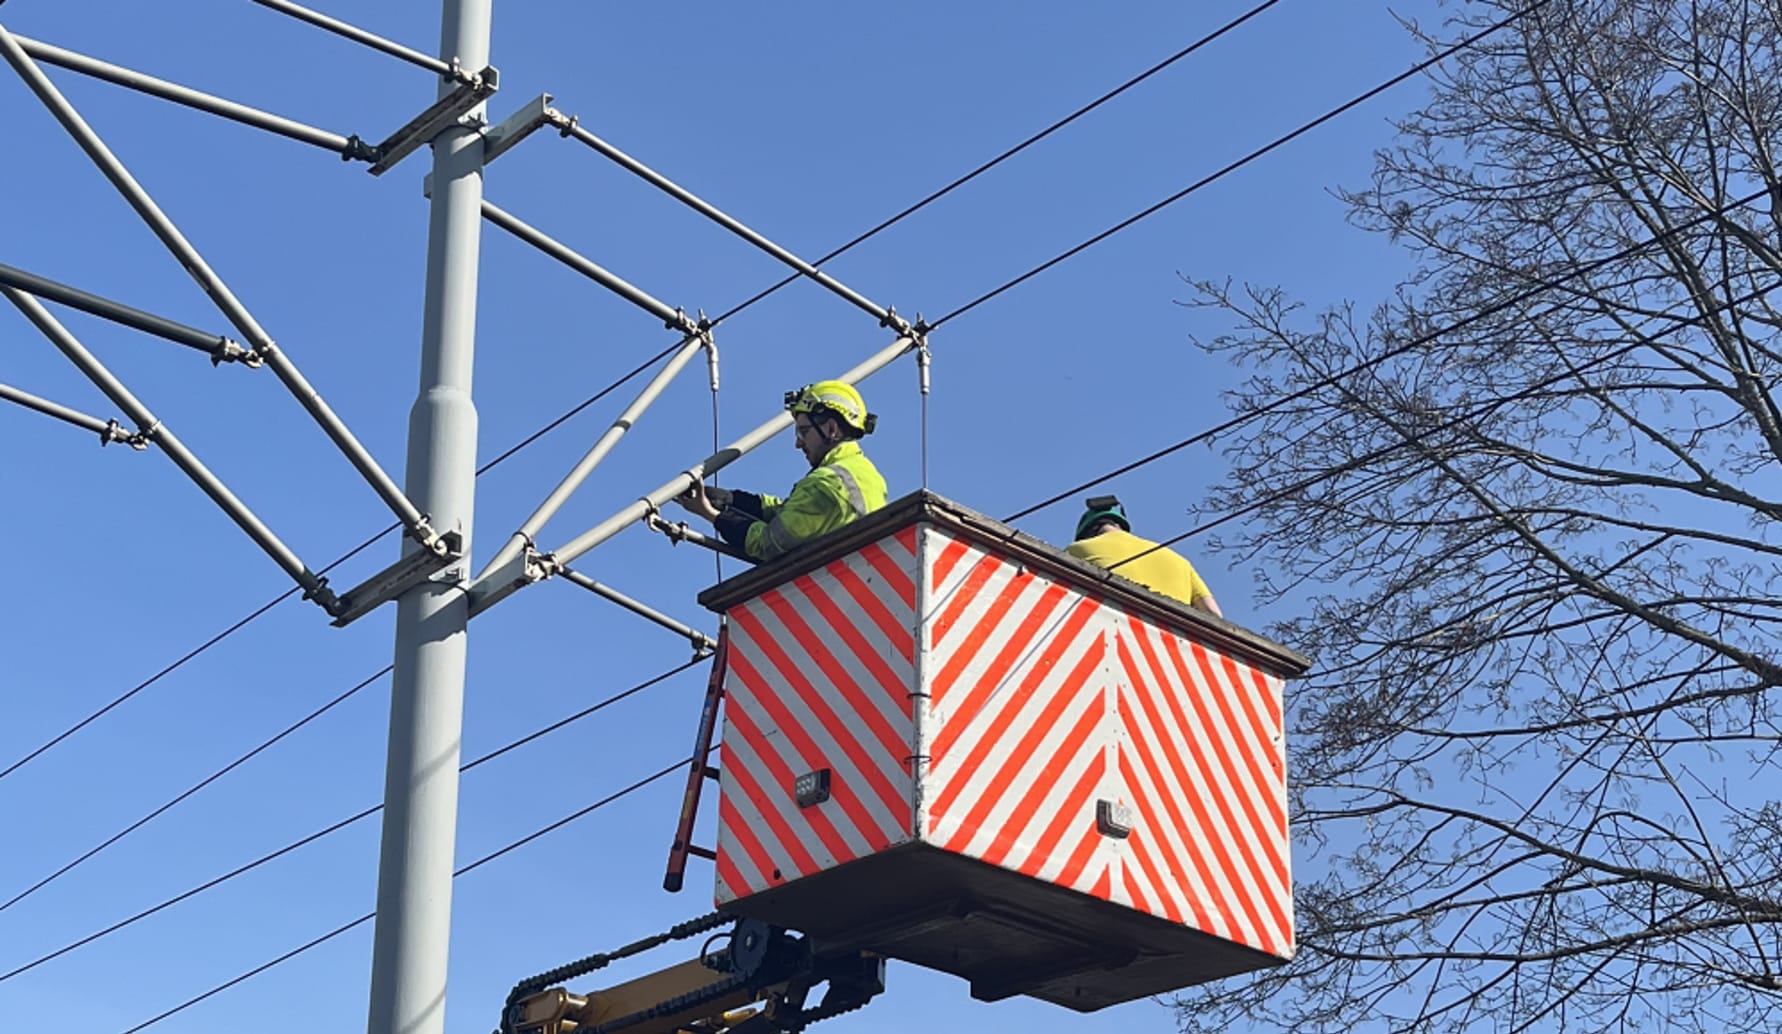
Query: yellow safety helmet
[838, 397]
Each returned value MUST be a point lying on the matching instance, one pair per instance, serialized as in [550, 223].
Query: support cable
[1392, 353]
[344, 823]
[109, 431]
[243, 622]
[1415, 70]
[1010, 153]
[1270, 499]
[193, 789]
[358, 35]
[367, 917]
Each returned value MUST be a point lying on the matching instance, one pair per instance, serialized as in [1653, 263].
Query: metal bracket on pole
[522, 569]
[503, 135]
[445, 112]
[410, 570]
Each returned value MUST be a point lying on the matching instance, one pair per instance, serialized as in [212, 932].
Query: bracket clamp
[445, 112]
[407, 572]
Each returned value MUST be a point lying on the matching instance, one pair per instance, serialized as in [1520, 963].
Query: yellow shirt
[1164, 571]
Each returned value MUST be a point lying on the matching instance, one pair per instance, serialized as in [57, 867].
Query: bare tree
[1528, 510]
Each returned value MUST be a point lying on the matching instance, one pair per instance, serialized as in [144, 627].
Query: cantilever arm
[151, 429]
[108, 430]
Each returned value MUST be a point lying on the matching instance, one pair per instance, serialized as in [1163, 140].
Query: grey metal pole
[350, 147]
[414, 880]
[701, 642]
[597, 452]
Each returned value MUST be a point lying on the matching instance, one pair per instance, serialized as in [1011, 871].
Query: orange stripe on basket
[895, 576]
[995, 621]
[1191, 858]
[1074, 812]
[1204, 826]
[1262, 725]
[859, 699]
[900, 634]
[968, 590]
[809, 757]
[779, 771]
[1231, 832]
[730, 878]
[773, 817]
[1248, 774]
[983, 695]
[1042, 781]
[824, 710]
[1137, 893]
[1150, 846]
[907, 539]
[743, 837]
[1104, 887]
[1072, 873]
[950, 555]
[990, 795]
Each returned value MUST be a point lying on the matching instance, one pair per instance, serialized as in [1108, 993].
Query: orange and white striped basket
[948, 742]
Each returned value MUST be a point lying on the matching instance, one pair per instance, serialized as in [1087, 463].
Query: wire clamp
[892, 321]
[227, 351]
[685, 323]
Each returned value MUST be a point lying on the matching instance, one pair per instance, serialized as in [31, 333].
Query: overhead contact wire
[335, 827]
[367, 917]
[1213, 177]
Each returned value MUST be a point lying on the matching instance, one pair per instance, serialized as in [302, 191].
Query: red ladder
[698, 771]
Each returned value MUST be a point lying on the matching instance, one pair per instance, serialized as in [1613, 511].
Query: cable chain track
[600, 960]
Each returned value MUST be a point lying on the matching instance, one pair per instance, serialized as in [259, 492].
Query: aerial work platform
[950, 743]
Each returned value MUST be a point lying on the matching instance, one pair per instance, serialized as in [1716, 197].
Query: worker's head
[825, 414]
[1102, 513]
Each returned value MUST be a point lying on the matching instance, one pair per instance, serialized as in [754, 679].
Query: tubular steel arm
[152, 430]
[219, 292]
[108, 430]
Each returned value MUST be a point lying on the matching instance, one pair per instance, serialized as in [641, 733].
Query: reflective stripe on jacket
[838, 491]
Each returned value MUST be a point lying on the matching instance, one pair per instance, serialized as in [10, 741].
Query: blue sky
[808, 122]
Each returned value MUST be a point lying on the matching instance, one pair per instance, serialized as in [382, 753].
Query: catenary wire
[337, 826]
[194, 788]
[1006, 155]
[1393, 353]
[850, 245]
[1678, 323]
[367, 917]
[293, 591]
[1414, 70]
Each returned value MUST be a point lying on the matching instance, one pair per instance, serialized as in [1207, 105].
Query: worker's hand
[696, 501]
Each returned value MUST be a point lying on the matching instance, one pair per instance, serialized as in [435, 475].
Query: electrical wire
[572, 412]
[1010, 153]
[194, 788]
[337, 826]
[367, 917]
[355, 551]
[1393, 353]
[1299, 486]
[1414, 70]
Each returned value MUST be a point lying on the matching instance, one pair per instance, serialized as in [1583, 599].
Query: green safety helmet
[1102, 508]
[837, 397]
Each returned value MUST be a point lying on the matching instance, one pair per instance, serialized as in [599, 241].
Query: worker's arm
[818, 504]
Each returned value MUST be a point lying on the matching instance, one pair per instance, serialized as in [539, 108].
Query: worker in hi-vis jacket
[828, 419]
[1105, 538]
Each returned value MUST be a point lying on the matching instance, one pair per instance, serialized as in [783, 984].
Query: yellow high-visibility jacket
[838, 491]
[1163, 571]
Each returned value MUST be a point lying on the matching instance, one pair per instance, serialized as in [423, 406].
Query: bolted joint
[684, 323]
[324, 597]
[357, 150]
[227, 351]
[892, 321]
[566, 124]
